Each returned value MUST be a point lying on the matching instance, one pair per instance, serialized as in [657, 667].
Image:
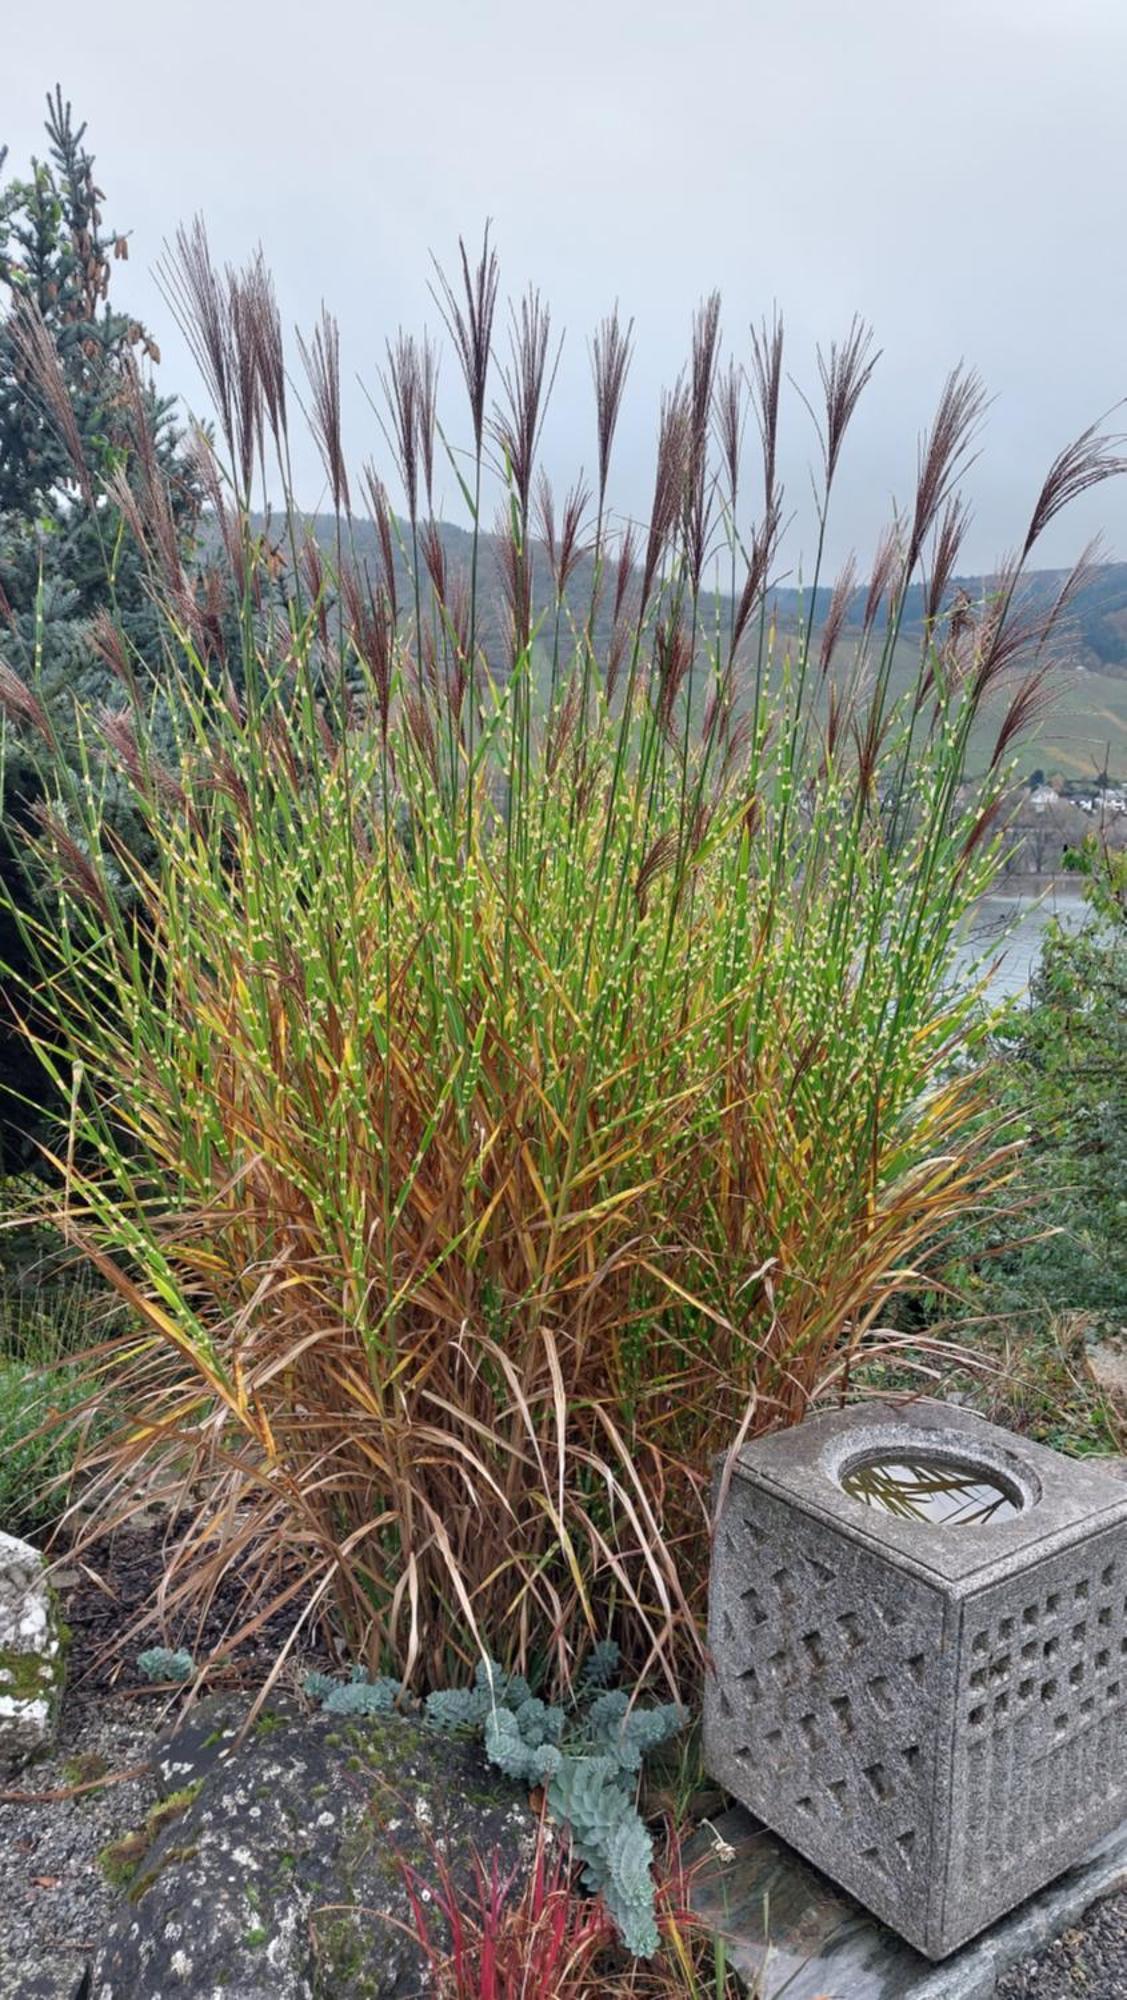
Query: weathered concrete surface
[32, 1654]
[788, 1926]
[281, 1876]
[934, 1715]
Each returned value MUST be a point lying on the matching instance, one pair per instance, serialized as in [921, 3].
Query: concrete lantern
[918, 1625]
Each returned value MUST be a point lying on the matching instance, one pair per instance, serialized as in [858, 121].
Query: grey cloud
[952, 171]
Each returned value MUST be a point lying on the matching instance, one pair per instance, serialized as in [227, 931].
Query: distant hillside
[1094, 632]
[1084, 733]
[1094, 635]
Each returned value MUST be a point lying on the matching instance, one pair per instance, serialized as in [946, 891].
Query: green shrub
[1060, 1078]
[1027, 1285]
[50, 1310]
[35, 1464]
[1067, 1070]
[50, 1306]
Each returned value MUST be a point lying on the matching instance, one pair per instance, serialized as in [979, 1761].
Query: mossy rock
[122, 1862]
[33, 1645]
[282, 1874]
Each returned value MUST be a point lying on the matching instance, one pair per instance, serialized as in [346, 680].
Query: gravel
[1087, 1962]
[54, 1898]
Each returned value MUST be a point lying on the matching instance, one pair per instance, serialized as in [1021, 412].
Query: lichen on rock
[284, 1871]
[32, 1654]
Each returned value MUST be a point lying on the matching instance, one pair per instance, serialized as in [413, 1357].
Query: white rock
[31, 1654]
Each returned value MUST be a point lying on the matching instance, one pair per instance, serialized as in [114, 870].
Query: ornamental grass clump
[519, 1056]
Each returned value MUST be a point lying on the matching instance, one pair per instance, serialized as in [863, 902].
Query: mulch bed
[114, 1586]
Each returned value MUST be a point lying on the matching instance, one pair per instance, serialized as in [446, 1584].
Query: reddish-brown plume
[401, 393]
[380, 507]
[840, 601]
[200, 304]
[434, 556]
[1015, 633]
[74, 863]
[953, 523]
[469, 322]
[886, 562]
[566, 552]
[624, 569]
[698, 491]
[528, 382]
[766, 385]
[845, 373]
[371, 629]
[38, 358]
[247, 396]
[945, 454]
[610, 364]
[669, 483]
[729, 410]
[266, 320]
[515, 573]
[20, 705]
[321, 361]
[1029, 701]
[672, 657]
[108, 641]
[145, 478]
[1087, 462]
[313, 565]
[426, 394]
[764, 542]
[120, 736]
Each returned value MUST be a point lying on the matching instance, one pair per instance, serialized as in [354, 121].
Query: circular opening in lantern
[929, 1486]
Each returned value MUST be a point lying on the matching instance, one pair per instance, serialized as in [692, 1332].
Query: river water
[1010, 929]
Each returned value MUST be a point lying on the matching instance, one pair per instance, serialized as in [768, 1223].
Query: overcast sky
[955, 171]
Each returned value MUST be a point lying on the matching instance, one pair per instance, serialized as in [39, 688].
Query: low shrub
[1067, 1068]
[51, 1307]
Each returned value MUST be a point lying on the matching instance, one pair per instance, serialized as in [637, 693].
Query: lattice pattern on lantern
[1043, 1703]
[934, 1714]
[812, 1670]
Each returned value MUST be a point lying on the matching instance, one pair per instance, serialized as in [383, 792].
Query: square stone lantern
[918, 1625]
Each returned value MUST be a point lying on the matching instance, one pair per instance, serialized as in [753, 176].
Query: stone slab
[787, 1926]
